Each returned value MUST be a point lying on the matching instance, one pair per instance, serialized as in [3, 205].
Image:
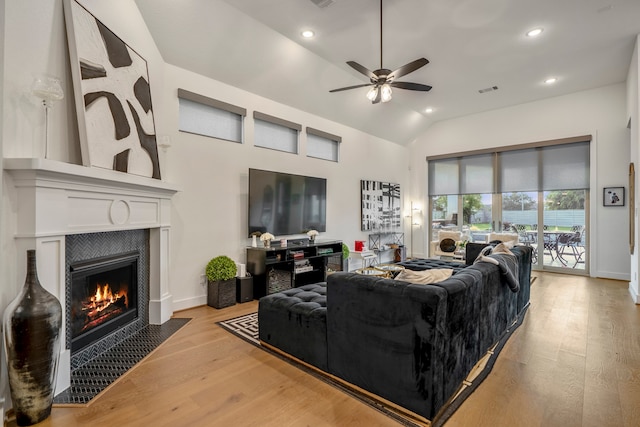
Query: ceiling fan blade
[359, 68]
[408, 68]
[351, 87]
[411, 86]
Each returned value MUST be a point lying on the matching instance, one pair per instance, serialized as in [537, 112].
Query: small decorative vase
[267, 243]
[32, 324]
[254, 241]
[312, 239]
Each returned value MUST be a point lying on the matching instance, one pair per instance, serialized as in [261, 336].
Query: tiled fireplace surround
[54, 200]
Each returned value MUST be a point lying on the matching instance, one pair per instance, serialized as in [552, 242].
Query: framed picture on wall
[112, 96]
[613, 196]
[380, 205]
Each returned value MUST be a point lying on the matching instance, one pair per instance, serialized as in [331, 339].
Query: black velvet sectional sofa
[410, 344]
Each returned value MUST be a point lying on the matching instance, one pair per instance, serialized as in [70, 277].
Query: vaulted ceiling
[256, 45]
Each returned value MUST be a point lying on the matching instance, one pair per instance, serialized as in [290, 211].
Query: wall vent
[323, 3]
[488, 89]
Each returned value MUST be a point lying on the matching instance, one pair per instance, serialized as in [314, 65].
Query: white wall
[633, 118]
[599, 112]
[210, 213]
[4, 274]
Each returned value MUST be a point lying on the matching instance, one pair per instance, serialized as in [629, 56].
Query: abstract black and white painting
[113, 97]
[380, 205]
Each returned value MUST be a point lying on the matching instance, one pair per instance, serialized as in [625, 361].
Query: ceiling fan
[383, 79]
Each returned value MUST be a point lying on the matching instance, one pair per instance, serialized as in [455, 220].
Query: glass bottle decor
[32, 325]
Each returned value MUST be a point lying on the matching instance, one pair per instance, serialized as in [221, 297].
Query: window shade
[556, 167]
[206, 120]
[464, 175]
[518, 170]
[275, 136]
[541, 168]
[476, 174]
[444, 177]
[322, 145]
[322, 148]
[565, 167]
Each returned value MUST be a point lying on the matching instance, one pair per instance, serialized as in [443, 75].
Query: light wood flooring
[575, 361]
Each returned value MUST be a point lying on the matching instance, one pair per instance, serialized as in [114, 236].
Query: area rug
[246, 327]
[98, 374]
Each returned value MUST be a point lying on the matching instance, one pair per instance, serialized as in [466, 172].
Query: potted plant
[221, 283]
[345, 257]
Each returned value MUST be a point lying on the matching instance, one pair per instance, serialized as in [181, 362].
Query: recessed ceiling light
[307, 34]
[534, 33]
[429, 110]
[551, 80]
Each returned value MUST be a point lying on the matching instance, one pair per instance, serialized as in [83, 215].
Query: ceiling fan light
[535, 32]
[386, 93]
[372, 94]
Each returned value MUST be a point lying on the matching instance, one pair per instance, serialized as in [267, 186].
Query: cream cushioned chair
[454, 235]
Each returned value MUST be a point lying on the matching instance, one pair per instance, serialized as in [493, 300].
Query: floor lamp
[416, 214]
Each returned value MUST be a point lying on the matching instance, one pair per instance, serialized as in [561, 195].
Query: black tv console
[277, 268]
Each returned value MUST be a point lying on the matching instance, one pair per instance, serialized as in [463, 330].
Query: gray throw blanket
[501, 256]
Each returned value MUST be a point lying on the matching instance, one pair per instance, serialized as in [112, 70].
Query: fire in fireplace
[103, 297]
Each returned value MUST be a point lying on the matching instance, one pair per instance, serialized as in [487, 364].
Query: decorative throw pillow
[510, 239]
[425, 277]
[500, 248]
[447, 245]
[509, 243]
[503, 248]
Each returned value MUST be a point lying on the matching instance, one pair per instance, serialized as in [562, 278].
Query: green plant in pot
[221, 282]
[345, 257]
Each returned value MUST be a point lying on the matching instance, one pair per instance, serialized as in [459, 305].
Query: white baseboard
[634, 295]
[186, 303]
[613, 275]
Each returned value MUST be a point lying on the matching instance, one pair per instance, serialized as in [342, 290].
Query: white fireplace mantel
[54, 199]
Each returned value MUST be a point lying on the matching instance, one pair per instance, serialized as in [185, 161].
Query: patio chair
[446, 243]
[527, 238]
[535, 227]
[571, 244]
[550, 245]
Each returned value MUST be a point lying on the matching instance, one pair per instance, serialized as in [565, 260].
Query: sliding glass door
[564, 229]
[539, 193]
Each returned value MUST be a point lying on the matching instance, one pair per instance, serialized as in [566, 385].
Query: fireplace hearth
[103, 297]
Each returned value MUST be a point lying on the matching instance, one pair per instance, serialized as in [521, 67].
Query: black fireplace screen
[103, 297]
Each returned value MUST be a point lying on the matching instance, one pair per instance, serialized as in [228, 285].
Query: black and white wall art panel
[381, 208]
[112, 95]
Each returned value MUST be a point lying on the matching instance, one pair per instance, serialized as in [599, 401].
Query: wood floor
[575, 361]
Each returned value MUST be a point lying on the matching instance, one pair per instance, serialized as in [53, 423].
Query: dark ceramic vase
[32, 324]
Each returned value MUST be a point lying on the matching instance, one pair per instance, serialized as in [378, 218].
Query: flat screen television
[284, 204]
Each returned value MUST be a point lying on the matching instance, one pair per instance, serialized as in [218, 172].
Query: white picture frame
[613, 196]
